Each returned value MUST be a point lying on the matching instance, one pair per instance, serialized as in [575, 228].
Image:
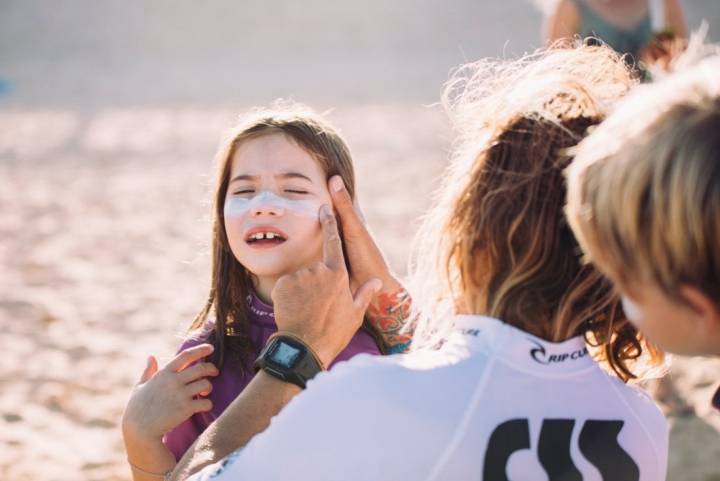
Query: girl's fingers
[197, 371]
[188, 356]
[201, 405]
[201, 387]
[150, 369]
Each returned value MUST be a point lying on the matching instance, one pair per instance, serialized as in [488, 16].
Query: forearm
[675, 18]
[564, 22]
[148, 460]
[248, 415]
[389, 313]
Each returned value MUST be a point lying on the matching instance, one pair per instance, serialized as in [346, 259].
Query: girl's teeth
[264, 235]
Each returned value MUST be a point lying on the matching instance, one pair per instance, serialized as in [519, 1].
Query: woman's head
[498, 238]
[273, 168]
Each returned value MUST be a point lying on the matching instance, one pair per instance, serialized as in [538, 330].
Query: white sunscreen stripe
[632, 310]
[239, 206]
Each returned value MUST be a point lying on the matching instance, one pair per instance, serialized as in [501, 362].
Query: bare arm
[564, 22]
[248, 415]
[675, 18]
[389, 313]
[389, 310]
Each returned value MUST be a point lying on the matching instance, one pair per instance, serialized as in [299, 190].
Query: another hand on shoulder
[389, 310]
[364, 257]
[317, 304]
[162, 399]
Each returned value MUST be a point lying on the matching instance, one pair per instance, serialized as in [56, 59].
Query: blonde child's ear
[707, 314]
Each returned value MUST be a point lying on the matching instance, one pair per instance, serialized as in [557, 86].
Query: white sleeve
[653, 422]
[333, 430]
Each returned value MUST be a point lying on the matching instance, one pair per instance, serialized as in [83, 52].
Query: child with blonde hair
[644, 202]
[274, 168]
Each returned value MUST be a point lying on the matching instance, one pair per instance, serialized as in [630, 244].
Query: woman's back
[493, 403]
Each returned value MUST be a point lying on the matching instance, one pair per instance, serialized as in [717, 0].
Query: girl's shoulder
[197, 336]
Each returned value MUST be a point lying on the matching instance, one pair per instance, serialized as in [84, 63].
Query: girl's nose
[267, 208]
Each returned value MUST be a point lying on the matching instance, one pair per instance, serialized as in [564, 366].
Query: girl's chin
[271, 272]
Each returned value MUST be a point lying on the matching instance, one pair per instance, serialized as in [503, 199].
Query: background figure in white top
[529, 380]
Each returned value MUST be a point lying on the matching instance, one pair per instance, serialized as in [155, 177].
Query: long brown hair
[503, 247]
[231, 282]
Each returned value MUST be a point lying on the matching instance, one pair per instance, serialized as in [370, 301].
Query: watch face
[284, 354]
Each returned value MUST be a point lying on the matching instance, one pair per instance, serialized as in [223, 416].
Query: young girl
[273, 173]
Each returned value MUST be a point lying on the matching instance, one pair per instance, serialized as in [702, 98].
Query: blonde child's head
[644, 202]
[497, 242]
[273, 169]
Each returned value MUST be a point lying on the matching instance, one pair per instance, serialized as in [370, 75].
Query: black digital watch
[287, 358]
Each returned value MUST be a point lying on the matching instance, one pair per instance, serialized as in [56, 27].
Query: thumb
[365, 293]
[150, 369]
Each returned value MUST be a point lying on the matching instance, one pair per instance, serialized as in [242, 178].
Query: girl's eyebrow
[286, 175]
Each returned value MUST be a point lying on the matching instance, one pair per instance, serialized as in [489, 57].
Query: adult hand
[389, 310]
[316, 304]
[162, 399]
[365, 259]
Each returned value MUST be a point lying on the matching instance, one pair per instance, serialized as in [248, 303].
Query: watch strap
[303, 369]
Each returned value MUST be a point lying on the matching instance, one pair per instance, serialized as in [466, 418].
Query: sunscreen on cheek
[265, 200]
[632, 310]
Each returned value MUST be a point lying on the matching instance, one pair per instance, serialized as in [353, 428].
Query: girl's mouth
[264, 237]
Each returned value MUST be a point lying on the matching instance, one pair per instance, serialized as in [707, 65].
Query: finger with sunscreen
[332, 245]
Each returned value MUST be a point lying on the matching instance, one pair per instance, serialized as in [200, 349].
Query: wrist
[149, 457]
[134, 434]
[289, 358]
[308, 345]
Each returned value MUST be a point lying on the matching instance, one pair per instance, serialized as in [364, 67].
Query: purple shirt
[231, 380]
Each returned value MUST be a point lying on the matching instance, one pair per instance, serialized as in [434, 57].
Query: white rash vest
[494, 403]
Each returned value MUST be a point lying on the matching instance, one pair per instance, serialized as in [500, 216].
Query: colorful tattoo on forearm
[389, 314]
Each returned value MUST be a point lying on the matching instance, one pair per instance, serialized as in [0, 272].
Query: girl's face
[272, 206]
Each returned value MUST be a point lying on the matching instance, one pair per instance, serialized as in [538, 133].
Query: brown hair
[231, 282]
[504, 248]
[644, 192]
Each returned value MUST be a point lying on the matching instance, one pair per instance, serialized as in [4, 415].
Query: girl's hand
[389, 309]
[164, 398]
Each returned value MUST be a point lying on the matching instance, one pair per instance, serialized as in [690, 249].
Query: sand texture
[110, 113]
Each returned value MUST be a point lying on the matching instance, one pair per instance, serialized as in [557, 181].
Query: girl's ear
[706, 309]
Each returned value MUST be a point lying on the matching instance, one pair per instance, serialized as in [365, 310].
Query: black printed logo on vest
[539, 354]
[470, 332]
[597, 442]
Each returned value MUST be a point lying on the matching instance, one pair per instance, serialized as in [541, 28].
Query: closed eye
[243, 191]
[296, 191]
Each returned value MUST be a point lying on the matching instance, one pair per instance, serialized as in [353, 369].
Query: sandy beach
[106, 143]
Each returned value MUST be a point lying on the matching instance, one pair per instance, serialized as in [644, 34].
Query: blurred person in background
[651, 31]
